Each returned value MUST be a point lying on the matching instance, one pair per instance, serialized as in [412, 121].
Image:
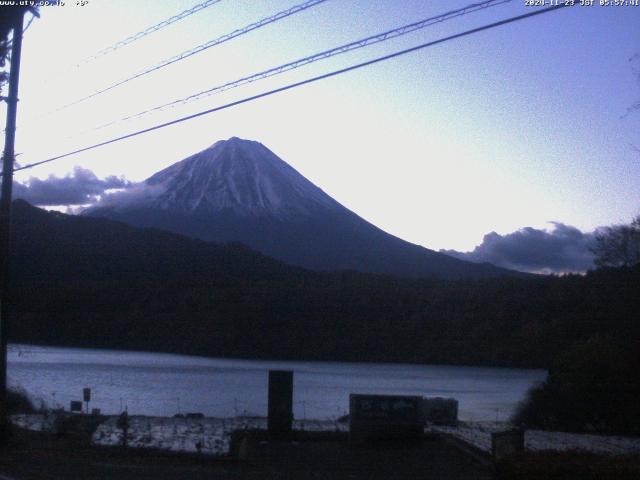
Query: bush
[18, 402]
[593, 387]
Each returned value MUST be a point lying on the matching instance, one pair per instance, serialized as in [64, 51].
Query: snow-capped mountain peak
[239, 175]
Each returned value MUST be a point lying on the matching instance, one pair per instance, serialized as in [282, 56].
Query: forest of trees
[594, 386]
[97, 283]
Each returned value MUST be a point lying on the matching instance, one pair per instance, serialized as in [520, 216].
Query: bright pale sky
[511, 127]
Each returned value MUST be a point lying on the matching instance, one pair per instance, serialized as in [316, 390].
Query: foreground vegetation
[568, 466]
[18, 401]
[592, 387]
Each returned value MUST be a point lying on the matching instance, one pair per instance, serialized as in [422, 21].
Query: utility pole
[5, 216]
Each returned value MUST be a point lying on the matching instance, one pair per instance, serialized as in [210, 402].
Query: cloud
[561, 250]
[139, 193]
[78, 188]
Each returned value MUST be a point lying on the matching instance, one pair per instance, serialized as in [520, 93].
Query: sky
[521, 131]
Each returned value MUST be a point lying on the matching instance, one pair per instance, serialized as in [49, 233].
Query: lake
[164, 384]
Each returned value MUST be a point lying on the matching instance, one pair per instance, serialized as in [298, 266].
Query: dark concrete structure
[385, 417]
[441, 411]
[280, 402]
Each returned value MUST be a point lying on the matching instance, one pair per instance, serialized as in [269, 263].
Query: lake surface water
[164, 384]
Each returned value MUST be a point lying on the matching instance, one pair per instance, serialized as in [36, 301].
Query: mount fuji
[240, 191]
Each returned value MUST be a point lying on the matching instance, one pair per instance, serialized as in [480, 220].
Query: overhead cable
[298, 84]
[380, 37]
[148, 31]
[200, 48]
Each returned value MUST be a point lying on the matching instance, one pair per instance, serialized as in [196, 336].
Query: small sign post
[86, 395]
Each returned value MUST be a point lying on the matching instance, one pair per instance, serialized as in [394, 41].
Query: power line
[380, 37]
[188, 53]
[133, 38]
[298, 84]
[148, 31]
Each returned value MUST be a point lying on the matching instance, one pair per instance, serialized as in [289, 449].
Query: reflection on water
[163, 384]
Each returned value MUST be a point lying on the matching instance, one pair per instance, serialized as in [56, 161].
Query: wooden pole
[5, 216]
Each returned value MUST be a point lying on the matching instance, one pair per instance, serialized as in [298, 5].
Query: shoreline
[212, 435]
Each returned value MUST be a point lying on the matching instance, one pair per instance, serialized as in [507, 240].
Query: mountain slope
[238, 190]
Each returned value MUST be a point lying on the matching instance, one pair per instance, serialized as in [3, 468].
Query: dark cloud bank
[79, 188]
[561, 250]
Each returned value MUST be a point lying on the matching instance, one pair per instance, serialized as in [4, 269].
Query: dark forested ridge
[91, 282]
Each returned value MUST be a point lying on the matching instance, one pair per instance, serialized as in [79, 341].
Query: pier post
[280, 403]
